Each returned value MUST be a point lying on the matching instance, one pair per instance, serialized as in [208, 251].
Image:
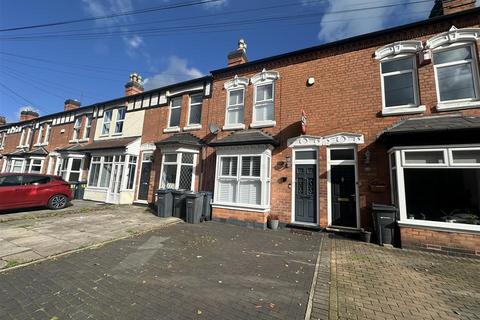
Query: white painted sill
[440, 226]
[117, 134]
[171, 129]
[394, 111]
[192, 127]
[83, 140]
[239, 126]
[263, 124]
[241, 207]
[457, 105]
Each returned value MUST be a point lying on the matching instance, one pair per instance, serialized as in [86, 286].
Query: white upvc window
[46, 136]
[235, 107]
[70, 168]
[40, 135]
[437, 186]
[76, 129]
[3, 137]
[15, 165]
[264, 99]
[456, 76]
[243, 180]
[107, 119]
[400, 85]
[25, 137]
[131, 172]
[120, 120]
[34, 165]
[88, 127]
[178, 170]
[175, 113]
[195, 112]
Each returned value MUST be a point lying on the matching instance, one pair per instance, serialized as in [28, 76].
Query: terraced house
[314, 136]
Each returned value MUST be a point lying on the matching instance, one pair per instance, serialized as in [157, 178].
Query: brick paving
[206, 271]
[366, 281]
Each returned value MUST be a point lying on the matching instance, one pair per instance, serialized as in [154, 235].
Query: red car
[22, 190]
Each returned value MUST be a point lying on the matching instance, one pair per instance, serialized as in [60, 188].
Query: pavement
[356, 280]
[25, 238]
[205, 271]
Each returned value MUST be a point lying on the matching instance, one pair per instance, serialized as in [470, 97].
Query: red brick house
[391, 117]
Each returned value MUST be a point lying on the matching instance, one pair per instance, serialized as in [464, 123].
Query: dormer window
[107, 119]
[399, 81]
[264, 97]
[235, 109]
[120, 120]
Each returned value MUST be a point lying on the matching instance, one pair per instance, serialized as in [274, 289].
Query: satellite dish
[213, 128]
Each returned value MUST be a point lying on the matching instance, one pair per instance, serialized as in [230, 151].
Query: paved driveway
[26, 239]
[206, 271]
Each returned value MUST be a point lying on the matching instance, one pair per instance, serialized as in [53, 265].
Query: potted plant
[365, 236]
[272, 221]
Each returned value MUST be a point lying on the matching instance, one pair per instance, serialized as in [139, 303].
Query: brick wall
[453, 243]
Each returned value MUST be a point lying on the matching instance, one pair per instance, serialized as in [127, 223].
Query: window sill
[393, 111]
[239, 126]
[192, 127]
[117, 134]
[171, 129]
[103, 135]
[263, 124]
[97, 189]
[441, 226]
[83, 140]
[457, 105]
[241, 207]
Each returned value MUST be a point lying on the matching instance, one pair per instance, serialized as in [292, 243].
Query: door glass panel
[306, 155]
[342, 154]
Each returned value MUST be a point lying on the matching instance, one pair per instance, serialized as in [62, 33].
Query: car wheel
[58, 201]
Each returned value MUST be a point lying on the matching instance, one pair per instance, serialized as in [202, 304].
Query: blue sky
[91, 61]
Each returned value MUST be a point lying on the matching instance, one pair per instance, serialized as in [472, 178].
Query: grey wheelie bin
[194, 206]
[385, 223]
[179, 204]
[207, 207]
[164, 203]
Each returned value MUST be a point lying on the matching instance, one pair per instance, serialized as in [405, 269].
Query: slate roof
[181, 138]
[107, 144]
[245, 137]
[71, 147]
[431, 124]
[35, 152]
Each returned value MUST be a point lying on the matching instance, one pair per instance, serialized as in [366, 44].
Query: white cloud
[347, 24]
[216, 4]
[177, 70]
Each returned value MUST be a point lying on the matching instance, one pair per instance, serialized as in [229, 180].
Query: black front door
[144, 181]
[306, 193]
[344, 207]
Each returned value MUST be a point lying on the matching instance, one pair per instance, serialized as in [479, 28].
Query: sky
[166, 41]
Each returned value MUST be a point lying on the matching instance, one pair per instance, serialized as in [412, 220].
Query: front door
[144, 180]
[113, 194]
[344, 206]
[305, 193]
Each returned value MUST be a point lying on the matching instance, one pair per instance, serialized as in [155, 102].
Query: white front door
[113, 193]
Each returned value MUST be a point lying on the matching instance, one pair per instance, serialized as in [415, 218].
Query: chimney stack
[27, 114]
[71, 104]
[135, 85]
[3, 120]
[446, 7]
[238, 56]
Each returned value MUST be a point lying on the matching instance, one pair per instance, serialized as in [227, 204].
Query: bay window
[131, 169]
[34, 165]
[70, 168]
[456, 73]
[15, 165]
[178, 171]
[243, 180]
[437, 187]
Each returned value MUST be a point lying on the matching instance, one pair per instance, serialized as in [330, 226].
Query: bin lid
[179, 191]
[193, 194]
[164, 190]
[383, 207]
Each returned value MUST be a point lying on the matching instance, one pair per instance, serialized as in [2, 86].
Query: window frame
[260, 79]
[237, 83]
[87, 127]
[179, 164]
[264, 178]
[458, 103]
[2, 140]
[129, 163]
[192, 126]
[46, 137]
[105, 130]
[68, 169]
[30, 164]
[76, 129]
[118, 120]
[39, 135]
[171, 128]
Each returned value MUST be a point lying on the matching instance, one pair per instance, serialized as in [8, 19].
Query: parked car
[23, 190]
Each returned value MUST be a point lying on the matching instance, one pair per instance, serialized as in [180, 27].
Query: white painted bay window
[243, 180]
[70, 168]
[456, 74]
[178, 171]
[15, 165]
[34, 165]
[264, 97]
[437, 187]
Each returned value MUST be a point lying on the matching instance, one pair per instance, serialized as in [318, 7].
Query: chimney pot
[71, 104]
[238, 56]
[135, 85]
[445, 7]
